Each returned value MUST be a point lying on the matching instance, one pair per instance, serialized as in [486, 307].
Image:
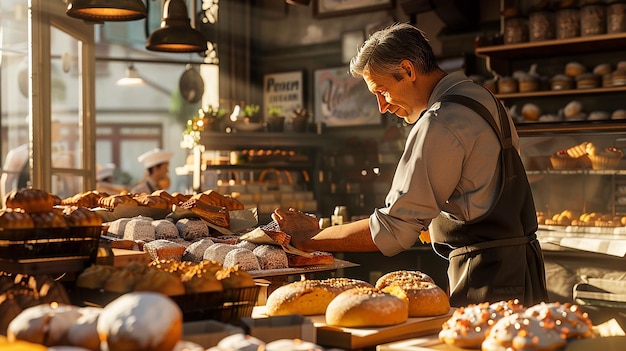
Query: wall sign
[342, 100]
[282, 90]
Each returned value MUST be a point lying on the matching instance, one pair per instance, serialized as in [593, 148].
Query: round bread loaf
[568, 318]
[308, 297]
[45, 324]
[425, 299]
[94, 277]
[140, 321]
[47, 220]
[83, 332]
[233, 278]
[395, 276]
[163, 282]
[366, 307]
[197, 281]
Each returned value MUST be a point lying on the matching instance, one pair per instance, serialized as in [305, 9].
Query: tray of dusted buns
[354, 314]
[37, 237]
[204, 290]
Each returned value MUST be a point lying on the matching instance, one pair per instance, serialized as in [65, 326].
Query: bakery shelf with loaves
[204, 290]
[37, 237]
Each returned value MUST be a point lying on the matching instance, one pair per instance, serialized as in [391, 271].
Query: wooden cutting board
[358, 338]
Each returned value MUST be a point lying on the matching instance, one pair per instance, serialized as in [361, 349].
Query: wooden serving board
[358, 338]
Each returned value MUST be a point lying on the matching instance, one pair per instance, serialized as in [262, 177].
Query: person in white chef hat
[156, 163]
[104, 180]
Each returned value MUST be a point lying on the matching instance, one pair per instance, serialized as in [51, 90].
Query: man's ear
[408, 67]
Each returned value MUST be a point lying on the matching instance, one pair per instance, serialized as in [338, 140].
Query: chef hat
[103, 172]
[154, 157]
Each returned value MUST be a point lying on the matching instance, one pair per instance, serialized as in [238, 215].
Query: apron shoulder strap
[504, 133]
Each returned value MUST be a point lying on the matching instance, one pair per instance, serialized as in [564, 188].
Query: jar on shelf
[541, 25]
[592, 18]
[515, 30]
[616, 17]
[567, 23]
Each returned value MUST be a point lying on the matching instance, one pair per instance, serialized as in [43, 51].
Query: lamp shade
[131, 78]
[176, 33]
[106, 10]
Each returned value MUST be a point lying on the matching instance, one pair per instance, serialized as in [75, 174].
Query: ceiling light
[176, 33]
[106, 10]
[131, 78]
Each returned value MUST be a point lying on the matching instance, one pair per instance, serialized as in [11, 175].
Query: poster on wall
[342, 100]
[282, 91]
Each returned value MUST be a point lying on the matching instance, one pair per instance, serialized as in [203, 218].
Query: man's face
[393, 94]
[163, 170]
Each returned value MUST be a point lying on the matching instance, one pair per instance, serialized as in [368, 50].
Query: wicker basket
[50, 249]
[226, 306]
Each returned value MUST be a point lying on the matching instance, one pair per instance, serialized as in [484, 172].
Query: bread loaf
[366, 307]
[308, 297]
[11, 218]
[215, 215]
[141, 321]
[30, 200]
[425, 299]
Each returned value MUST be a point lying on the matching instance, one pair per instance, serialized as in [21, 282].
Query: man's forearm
[349, 237]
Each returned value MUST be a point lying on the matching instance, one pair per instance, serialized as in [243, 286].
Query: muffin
[588, 81]
[561, 82]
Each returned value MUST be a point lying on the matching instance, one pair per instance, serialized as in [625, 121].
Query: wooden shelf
[548, 93]
[542, 128]
[498, 57]
[228, 141]
[559, 47]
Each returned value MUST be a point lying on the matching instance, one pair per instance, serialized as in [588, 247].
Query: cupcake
[607, 158]
[561, 160]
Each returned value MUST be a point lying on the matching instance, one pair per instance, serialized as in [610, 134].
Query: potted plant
[249, 113]
[276, 122]
[212, 117]
[300, 119]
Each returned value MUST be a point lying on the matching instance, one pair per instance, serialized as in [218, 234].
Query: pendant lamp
[106, 10]
[131, 78]
[176, 33]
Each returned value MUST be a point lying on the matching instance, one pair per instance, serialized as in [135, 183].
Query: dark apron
[496, 256]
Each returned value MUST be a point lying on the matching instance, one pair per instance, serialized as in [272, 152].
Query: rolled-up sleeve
[424, 180]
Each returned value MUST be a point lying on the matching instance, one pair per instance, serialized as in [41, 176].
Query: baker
[104, 180]
[156, 163]
[460, 177]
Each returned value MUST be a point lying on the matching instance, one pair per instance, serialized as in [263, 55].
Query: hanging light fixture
[106, 10]
[176, 33]
[131, 78]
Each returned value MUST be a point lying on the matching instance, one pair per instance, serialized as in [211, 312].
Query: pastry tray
[337, 264]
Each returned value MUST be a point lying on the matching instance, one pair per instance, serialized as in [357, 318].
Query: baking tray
[337, 264]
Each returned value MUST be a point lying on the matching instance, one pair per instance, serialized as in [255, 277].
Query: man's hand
[302, 227]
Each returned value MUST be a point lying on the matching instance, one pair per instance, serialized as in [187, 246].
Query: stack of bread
[168, 277]
[507, 325]
[345, 302]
